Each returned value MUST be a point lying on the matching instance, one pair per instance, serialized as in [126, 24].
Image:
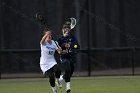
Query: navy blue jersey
[70, 40]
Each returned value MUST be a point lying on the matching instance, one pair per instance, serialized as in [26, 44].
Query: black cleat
[68, 91]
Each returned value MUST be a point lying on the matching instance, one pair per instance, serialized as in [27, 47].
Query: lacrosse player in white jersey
[48, 63]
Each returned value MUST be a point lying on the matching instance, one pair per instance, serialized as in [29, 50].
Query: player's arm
[59, 50]
[74, 44]
[43, 39]
[62, 44]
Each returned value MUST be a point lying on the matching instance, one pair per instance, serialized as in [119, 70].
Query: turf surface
[104, 84]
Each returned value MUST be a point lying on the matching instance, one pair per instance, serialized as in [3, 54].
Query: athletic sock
[54, 88]
[67, 86]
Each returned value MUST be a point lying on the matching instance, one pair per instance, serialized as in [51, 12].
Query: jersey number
[50, 52]
[68, 50]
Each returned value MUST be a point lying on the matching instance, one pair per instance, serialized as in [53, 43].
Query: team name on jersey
[50, 48]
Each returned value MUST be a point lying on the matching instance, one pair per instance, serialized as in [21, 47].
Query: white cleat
[55, 91]
[58, 83]
[61, 78]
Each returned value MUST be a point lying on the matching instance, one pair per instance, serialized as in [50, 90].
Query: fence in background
[98, 61]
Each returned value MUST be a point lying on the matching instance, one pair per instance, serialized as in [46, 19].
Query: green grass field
[104, 84]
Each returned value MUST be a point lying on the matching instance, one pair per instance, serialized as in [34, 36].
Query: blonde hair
[44, 37]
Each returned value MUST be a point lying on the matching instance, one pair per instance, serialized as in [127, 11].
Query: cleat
[58, 83]
[61, 78]
[55, 91]
[68, 91]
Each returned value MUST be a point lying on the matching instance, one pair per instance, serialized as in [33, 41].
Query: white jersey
[47, 59]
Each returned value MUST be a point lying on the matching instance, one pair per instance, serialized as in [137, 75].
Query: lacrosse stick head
[73, 22]
[39, 17]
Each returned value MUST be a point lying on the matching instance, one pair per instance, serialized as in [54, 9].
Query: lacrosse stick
[73, 22]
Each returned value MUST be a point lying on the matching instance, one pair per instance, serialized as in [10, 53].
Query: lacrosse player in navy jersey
[69, 44]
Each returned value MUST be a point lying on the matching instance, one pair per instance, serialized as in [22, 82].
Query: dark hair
[67, 24]
[45, 30]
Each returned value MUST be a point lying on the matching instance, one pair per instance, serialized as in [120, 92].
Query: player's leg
[57, 75]
[72, 68]
[72, 65]
[67, 80]
[65, 64]
[50, 74]
[67, 75]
